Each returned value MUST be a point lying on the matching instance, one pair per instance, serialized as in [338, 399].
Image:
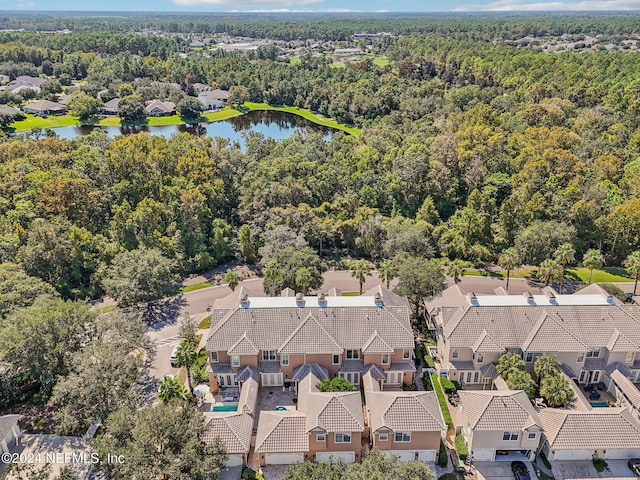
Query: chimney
[322, 301]
[377, 297]
[528, 297]
[300, 299]
[244, 300]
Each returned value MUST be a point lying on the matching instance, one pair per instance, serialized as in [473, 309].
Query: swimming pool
[599, 404]
[225, 408]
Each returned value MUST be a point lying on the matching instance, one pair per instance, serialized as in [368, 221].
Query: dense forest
[468, 148]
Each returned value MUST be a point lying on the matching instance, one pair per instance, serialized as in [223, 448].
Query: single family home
[158, 108]
[44, 107]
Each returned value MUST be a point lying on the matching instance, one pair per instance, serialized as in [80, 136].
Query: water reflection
[277, 125]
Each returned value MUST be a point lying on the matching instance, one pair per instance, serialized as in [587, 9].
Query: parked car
[174, 356]
[634, 466]
[520, 471]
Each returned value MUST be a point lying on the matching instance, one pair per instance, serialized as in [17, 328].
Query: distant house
[26, 82]
[157, 108]
[44, 107]
[9, 432]
[4, 110]
[111, 107]
[64, 99]
[200, 87]
[214, 99]
[4, 79]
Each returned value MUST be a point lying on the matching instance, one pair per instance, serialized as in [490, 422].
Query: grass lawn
[295, 61]
[608, 274]
[308, 114]
[351, 294]
[52, 121]
[205, 323]
[195, 286]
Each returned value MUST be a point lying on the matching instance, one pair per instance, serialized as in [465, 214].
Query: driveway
[584, 470]
[493, 470]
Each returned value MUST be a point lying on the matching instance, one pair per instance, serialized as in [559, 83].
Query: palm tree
[457, 269]
[564, 254]
[508, 260]
[272, 273]
[548, 270]
[170, 389]
[556, 390]
[509, 363]
[232, 278]
[592, 259]
[387, 271]
[546, 366]
[186, 356]
[303, 279]
[632, 265]
[521, 380]
[360, 269]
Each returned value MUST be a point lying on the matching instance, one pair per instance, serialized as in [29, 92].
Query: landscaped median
[57, 121]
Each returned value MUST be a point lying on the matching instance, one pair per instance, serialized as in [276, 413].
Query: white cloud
[244, 3]
[515, 5]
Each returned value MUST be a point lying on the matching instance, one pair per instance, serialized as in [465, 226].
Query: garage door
[410, 455]
[346, 457]
[573, 455]
[622, 453]
[283, 458]
[271, 379]
[483, 454]
[234, 461]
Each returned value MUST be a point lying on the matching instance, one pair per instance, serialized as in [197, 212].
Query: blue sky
[320, 5]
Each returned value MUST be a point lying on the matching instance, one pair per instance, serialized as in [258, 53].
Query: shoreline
[226, 113]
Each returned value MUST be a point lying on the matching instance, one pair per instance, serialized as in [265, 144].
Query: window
[629, 358]
[336, 360]
[532, 436]
[235, 361]
[383, 437]
[352, 377]
[593, 354]
[385, 359]
[269, 355]
[343, 438]
[213, 357]
[406, 354]
[580, 358]
[353, 354]
[528, 357]
[510, 436]
[454, 353]
[284, 360]
[321, 437]
[596, 376]
[402, 437]
[479, 357]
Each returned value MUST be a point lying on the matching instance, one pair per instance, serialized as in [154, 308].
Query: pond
[276, 125]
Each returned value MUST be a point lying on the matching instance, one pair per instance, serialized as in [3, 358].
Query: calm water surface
[277, 125]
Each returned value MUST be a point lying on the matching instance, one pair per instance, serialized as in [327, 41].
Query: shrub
[442, 401]
[600, 464]
[461, 448]
[443, 458]
[426, 381]
[448, 385]
[336, 384]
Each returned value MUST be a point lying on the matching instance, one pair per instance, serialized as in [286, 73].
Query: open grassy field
[52, 121]
[608, 274]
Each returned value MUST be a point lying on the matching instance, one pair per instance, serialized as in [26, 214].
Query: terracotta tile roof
[597, 429]
[619, 343]
[249, 394]
[244, 346]
[233, 429]
[498, 410]
[310, 337]
[549, 335]
[486, 344]
[404, 411]
[627, 387]
[376, 344]
[282, 432]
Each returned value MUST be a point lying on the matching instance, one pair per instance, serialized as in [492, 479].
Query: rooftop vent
[528, 297]
[609, 298]
[378, 299]
[322, 301]
[244, 300]
[472, 298]
[300, 299]
[550, 294]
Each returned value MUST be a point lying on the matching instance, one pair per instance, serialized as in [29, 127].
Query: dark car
[634, 466]
[520, 471]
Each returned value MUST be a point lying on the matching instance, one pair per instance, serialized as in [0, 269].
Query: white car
[174, 356]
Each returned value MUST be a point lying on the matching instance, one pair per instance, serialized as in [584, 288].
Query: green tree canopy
[336, 384]
[419, 278]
